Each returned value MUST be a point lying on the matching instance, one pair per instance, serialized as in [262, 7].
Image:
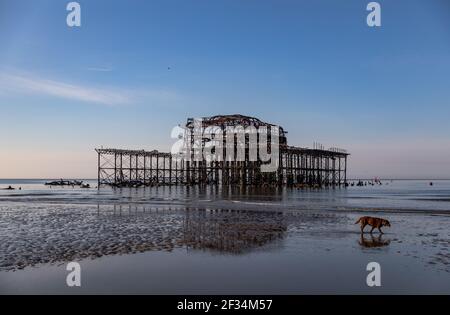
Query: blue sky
[314, 67]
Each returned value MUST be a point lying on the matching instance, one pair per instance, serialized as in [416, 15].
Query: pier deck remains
[297, 166]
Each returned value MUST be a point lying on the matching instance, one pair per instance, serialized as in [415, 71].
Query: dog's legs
[371, 230]
[379, 229]
[362, 228]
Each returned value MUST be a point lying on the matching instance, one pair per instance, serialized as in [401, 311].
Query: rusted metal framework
[138, 167]
[235, 146]
[313, 167]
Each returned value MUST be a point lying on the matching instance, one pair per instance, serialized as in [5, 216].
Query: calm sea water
[416, 195]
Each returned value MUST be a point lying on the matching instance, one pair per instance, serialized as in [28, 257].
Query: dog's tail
[359, 220]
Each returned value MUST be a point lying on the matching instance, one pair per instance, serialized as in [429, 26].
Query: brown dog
[373, 222]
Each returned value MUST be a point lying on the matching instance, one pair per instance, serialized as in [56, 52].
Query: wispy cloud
[18, 83]
[30, 84]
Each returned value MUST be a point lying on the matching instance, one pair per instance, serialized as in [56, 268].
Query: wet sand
[134, 249]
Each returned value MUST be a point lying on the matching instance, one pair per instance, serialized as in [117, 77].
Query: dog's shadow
[373, 241]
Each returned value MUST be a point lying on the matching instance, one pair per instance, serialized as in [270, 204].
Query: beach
[191, 240]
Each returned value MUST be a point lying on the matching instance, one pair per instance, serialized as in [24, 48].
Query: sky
[136, 69]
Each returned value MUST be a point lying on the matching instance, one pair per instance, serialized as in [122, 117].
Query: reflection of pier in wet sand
[125, 229]
[232, 231]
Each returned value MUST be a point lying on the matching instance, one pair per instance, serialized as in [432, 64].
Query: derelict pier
[232, 165]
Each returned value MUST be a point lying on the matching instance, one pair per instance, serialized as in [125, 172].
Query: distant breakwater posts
[231, 150]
